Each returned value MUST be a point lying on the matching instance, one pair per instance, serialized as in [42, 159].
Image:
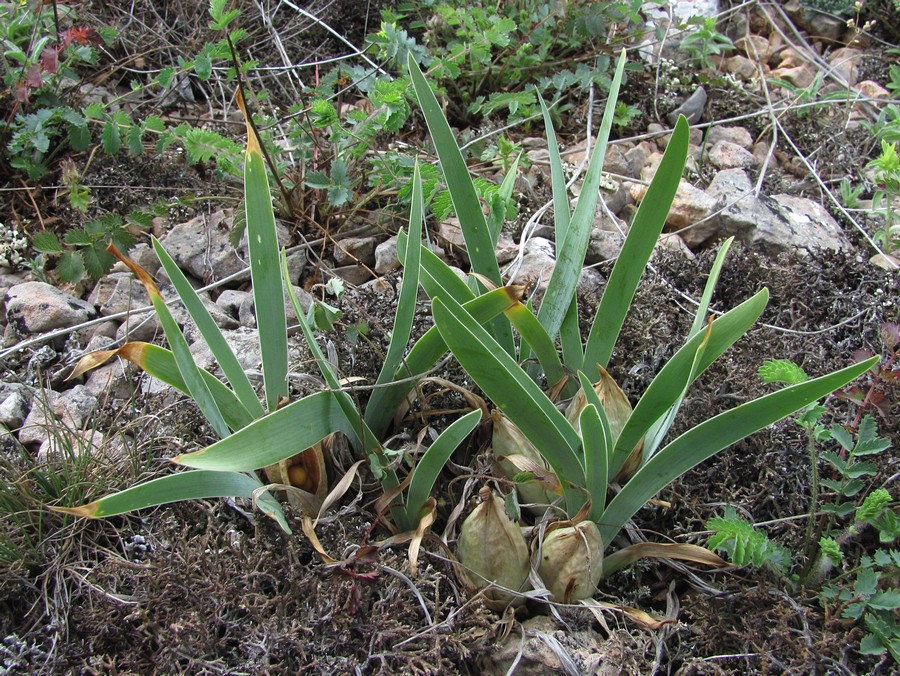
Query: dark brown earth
[209, 587]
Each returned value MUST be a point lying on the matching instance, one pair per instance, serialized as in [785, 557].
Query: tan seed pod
[492, 548]
[571, 562]
[618, 410]
[304, 470]
[508, 441]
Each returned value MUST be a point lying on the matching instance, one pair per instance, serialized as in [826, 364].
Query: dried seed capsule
[491, 546]
[572, 561]
[618, 410]
[508, 440]
[305, 470]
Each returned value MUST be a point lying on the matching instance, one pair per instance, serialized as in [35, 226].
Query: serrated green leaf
[203, 65]
[134, 140]
[843, 437]
[866, 582]
[70, 267]
[46, 242]
[873, 504]
[78, 238]
[97, 261]
[871, 645]
[885, 600]
[868, 442]
[79, 138]
[111, 137]
[154, 123]
[141, 219]
[202, 145]
[94, 111]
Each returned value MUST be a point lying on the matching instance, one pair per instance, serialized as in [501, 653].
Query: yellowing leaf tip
[89, 510]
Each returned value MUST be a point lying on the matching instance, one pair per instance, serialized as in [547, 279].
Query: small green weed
[705, 42]
[83, 250]
[865, 590]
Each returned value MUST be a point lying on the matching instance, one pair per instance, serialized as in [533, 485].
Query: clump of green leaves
[494, 58]
[624, 114]
[862, 591]
[868, 591]
[82, 251]
[40, 61]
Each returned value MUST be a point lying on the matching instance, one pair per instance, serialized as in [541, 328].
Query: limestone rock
[244, 342]
[386, 257]
[737, 135]
[69, 410]
[202, 248]
[145, 327]
[872, 90]
[114, 380]
[801, 76]
[741, 66]
[754, 47]
[728, 155]
[742, 212]
[845, 62]
[296, 264]
[221, 318]
[247, 311]
[537, 263]
[692, 108]
[351, 250]
[690, 206]
[885, 261]
[15, 402]
[774, 224]
[142, 254]
[616, 161]
[607, 237]
[34, 307]
[230, 301]
[118, 292]
[809, 224]
[637, 157]
[353, 274]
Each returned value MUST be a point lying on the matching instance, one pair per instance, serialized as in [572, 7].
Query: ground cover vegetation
[570, 445]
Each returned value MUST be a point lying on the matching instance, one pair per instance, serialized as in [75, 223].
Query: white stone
[70, 410]
[728, 155]
[386, 258]
[34, 307]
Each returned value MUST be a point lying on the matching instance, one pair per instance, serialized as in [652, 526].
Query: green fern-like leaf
[201, 145]
[781, 371]
[744, 544]
[831, 549]
[873, 505]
